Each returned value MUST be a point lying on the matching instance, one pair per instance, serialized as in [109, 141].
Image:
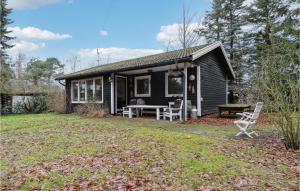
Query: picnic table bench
[155, 107]
[233, 108]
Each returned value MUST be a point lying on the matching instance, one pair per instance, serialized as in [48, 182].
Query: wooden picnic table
[156, 107]
[233, 108]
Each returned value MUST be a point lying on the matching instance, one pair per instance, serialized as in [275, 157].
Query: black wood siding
[213, 82]
[106, 94]
[158, 88]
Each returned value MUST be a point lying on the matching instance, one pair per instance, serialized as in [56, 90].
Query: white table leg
[157, 113]
[130, 113]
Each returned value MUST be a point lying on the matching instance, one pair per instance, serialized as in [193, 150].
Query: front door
[121, 92]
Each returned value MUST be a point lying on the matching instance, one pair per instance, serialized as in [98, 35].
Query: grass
[50, 151]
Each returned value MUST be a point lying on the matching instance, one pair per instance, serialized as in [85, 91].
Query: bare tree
[98, 57]
[186, 32]
[18, 64]
[74, 61]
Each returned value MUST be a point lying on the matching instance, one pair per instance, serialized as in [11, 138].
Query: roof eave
[179, 60]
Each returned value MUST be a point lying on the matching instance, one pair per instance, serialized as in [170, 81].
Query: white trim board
[85, 90]
[112, 94]
[167, 87]
[135, 86]
[199, 98]
[209, 48]
[116, 91]
[185, 91]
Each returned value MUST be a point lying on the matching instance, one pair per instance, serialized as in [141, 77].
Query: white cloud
[30, 4]
[25, 46]
[103, 33]
[169, 34]
[36, 33]
[114, 54]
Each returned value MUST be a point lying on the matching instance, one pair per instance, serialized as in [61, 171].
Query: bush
[92, 110]
[36, 104]
[18, 108]
[56, 100]
[280, 84]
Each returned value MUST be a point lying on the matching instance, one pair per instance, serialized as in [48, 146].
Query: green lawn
[51, 151]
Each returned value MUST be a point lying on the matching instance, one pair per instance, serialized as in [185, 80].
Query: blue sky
[121, 29]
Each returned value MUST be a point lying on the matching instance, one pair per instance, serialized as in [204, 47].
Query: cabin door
[121, 92]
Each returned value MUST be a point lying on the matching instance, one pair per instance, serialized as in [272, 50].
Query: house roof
[136, 63]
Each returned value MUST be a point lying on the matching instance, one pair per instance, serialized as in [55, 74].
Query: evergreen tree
[212, 25]
[267, 18]
[5, 71]
[233, 21]
[39, 70]
[224, 24]
[4, 33]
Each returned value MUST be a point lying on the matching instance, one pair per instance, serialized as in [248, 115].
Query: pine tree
[233, 22]
[212, 25]
[266, 17]
[224, 24]
[4, 32]
[5, 71]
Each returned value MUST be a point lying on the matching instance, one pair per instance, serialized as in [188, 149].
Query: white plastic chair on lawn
[248, 120]
[174, 110]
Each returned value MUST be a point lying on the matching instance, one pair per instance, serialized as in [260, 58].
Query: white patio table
[157, 107]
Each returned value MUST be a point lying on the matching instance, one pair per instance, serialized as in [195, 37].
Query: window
[75, 91]
[81, 90]
[87, 90]
[142, 86]
[98, 90]
[90, 90]
[173, 86]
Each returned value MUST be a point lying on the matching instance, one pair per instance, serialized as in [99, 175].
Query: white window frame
[86, 101]
[72, 100]
[167, 87]
[135, 86]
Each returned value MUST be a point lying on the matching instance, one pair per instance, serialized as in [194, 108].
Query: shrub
[36, 104]
[280, 84]
[56, 100]
[18, 108]
[92, 110]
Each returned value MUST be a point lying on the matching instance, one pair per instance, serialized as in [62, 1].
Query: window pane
[175, 85]
[143, 86]
[98, 89]
[82, 90]
[75, 91]
[89, 87]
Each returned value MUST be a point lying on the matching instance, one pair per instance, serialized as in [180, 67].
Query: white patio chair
[125, 110]
[248, 120]
[140, 101]
[174, 110]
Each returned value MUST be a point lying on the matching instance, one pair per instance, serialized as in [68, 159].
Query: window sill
[142, 95]
[174, 95]
[101, 102]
